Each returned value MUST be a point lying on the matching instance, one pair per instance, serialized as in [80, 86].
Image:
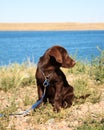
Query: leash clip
[46, 82]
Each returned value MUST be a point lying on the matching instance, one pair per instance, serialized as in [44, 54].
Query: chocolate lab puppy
[58, 92]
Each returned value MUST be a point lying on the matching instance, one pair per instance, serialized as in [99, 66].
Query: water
[17, 46]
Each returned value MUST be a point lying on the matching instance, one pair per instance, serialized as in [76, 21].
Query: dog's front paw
[56, 109]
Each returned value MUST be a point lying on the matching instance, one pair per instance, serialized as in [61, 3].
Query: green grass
[97, 67]
[92, 125]
[15, 75]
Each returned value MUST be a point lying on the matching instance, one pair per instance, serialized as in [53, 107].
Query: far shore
[50, 26]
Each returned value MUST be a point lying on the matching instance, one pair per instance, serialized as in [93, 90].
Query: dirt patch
[69, 118]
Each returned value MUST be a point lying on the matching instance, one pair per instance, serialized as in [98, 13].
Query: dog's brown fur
[59, 92]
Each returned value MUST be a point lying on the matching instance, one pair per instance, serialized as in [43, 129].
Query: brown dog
[58, 92]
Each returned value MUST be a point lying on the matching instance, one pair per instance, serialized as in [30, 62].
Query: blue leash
[28, 110]
[45, 84]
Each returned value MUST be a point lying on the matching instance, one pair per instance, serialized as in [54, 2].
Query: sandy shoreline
[50, 26]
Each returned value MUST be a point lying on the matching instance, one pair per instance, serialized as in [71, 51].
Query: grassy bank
[18, 92]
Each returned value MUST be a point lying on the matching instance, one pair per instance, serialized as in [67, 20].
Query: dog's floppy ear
[56, 54]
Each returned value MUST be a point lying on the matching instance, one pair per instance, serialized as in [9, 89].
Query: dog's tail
[81, 97]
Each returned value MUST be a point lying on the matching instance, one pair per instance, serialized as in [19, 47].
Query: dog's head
[61, 56]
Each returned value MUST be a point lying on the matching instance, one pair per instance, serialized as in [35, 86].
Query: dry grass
[50, 26]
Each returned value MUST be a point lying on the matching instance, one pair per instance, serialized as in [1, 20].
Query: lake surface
[17, 46]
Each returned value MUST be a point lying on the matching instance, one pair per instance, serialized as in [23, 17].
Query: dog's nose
[74, 63]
